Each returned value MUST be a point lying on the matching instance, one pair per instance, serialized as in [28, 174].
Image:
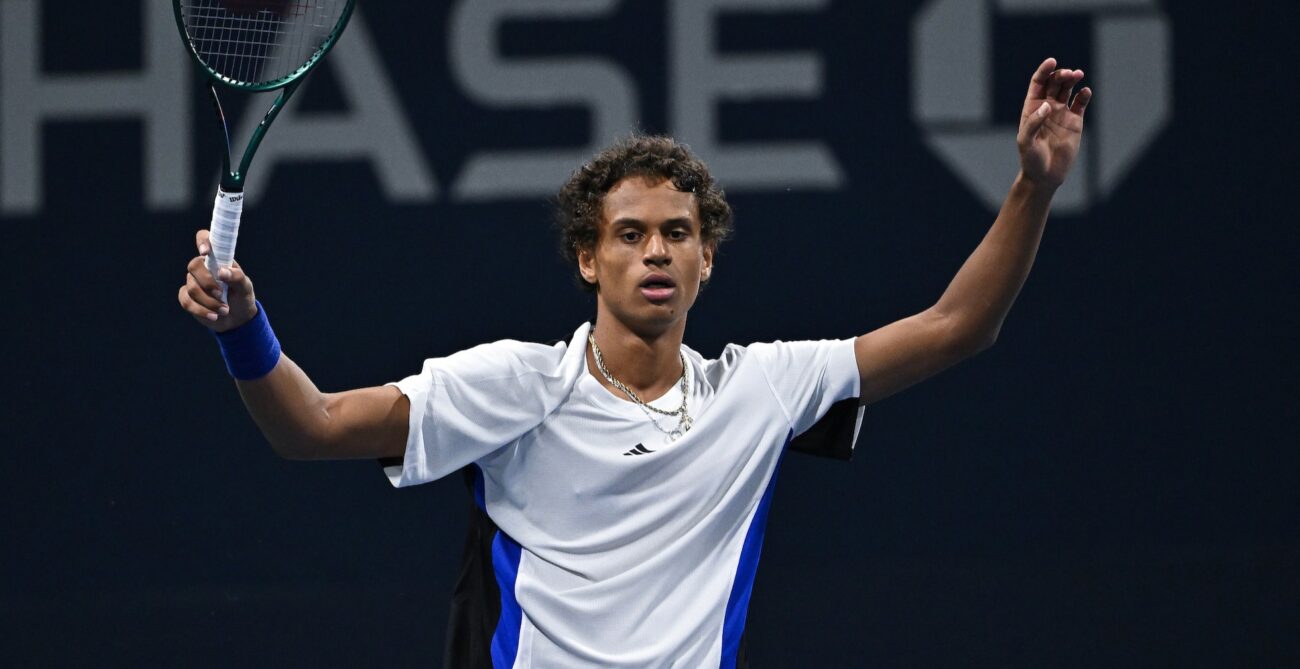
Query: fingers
[201, 295]
[1069, 78]
[198, 269]
[201, 242]
[1033, 123]
[1062, 84]
[200, 303]
[235, 278]
[1042, 76]
[1049, 83]
[1080, 104]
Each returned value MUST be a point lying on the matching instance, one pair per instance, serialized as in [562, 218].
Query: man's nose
[656, 250]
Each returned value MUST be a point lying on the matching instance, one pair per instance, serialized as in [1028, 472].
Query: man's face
[649, 258]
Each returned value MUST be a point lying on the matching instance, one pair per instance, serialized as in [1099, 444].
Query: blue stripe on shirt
[733, 625]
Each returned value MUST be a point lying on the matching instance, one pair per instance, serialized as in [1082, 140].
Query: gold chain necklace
[684, 420]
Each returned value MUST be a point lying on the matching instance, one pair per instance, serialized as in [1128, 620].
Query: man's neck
[649, 364]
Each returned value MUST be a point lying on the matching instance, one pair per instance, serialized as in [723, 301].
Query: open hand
[201, 294]
[1051, 124]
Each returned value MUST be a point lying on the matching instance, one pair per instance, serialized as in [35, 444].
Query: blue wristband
[251, 350]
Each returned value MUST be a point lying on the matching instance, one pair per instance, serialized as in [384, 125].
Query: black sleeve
[476, 598]
[832, 435]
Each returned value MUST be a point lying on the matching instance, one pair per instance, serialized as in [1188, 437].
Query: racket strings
[258, 42]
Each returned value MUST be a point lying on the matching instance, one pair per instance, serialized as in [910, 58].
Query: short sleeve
[470, 404]
[809, 378]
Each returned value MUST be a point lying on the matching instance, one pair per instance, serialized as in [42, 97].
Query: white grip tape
[223, 232]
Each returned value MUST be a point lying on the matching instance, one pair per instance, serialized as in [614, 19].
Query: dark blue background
[1113, 484]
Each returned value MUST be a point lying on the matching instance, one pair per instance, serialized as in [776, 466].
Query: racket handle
[223, 232]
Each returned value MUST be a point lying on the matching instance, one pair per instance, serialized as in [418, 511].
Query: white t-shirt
[620, 548]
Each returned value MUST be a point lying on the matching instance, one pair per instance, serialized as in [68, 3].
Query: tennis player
[622, 480]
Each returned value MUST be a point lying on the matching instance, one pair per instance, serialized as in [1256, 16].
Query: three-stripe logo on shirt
[638, 450]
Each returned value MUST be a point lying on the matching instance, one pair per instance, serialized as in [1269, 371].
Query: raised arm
[969, 314]
[299, 420]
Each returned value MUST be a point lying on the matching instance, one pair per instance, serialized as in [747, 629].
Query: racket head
[260, 45]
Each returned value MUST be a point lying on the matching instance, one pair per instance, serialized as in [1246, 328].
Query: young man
[623, 480]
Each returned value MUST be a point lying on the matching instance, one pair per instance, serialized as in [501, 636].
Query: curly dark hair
[580, 203]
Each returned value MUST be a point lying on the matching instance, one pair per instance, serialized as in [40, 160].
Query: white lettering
[541, 82]
[700, 78]
[373, 128]
[158, 94]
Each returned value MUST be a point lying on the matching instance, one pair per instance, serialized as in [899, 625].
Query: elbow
[984, 341]
[970, 341]
[288, 450]
[299, 447]
[311, 435]
[963, 335]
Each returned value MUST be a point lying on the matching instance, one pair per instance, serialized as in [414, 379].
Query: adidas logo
[638, 450]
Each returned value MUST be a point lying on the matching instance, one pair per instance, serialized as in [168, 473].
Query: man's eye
[630, 236]
[677, 235]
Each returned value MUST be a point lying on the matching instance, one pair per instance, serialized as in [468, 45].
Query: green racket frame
[223, 231]
[232, 181]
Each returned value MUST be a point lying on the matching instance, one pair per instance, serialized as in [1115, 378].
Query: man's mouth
[658, 287]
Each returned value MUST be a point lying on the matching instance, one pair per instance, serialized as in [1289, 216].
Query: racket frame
[232, 180]
[228, 207]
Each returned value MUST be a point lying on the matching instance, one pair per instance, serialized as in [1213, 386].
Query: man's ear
[587, 265]
[706, 268]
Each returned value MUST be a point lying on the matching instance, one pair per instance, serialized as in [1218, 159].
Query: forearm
[302, 423]
[981, 294]
[969, 314]
[289, 409]
[298, 419]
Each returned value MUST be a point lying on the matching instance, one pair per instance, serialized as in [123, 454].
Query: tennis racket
[253, 46]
